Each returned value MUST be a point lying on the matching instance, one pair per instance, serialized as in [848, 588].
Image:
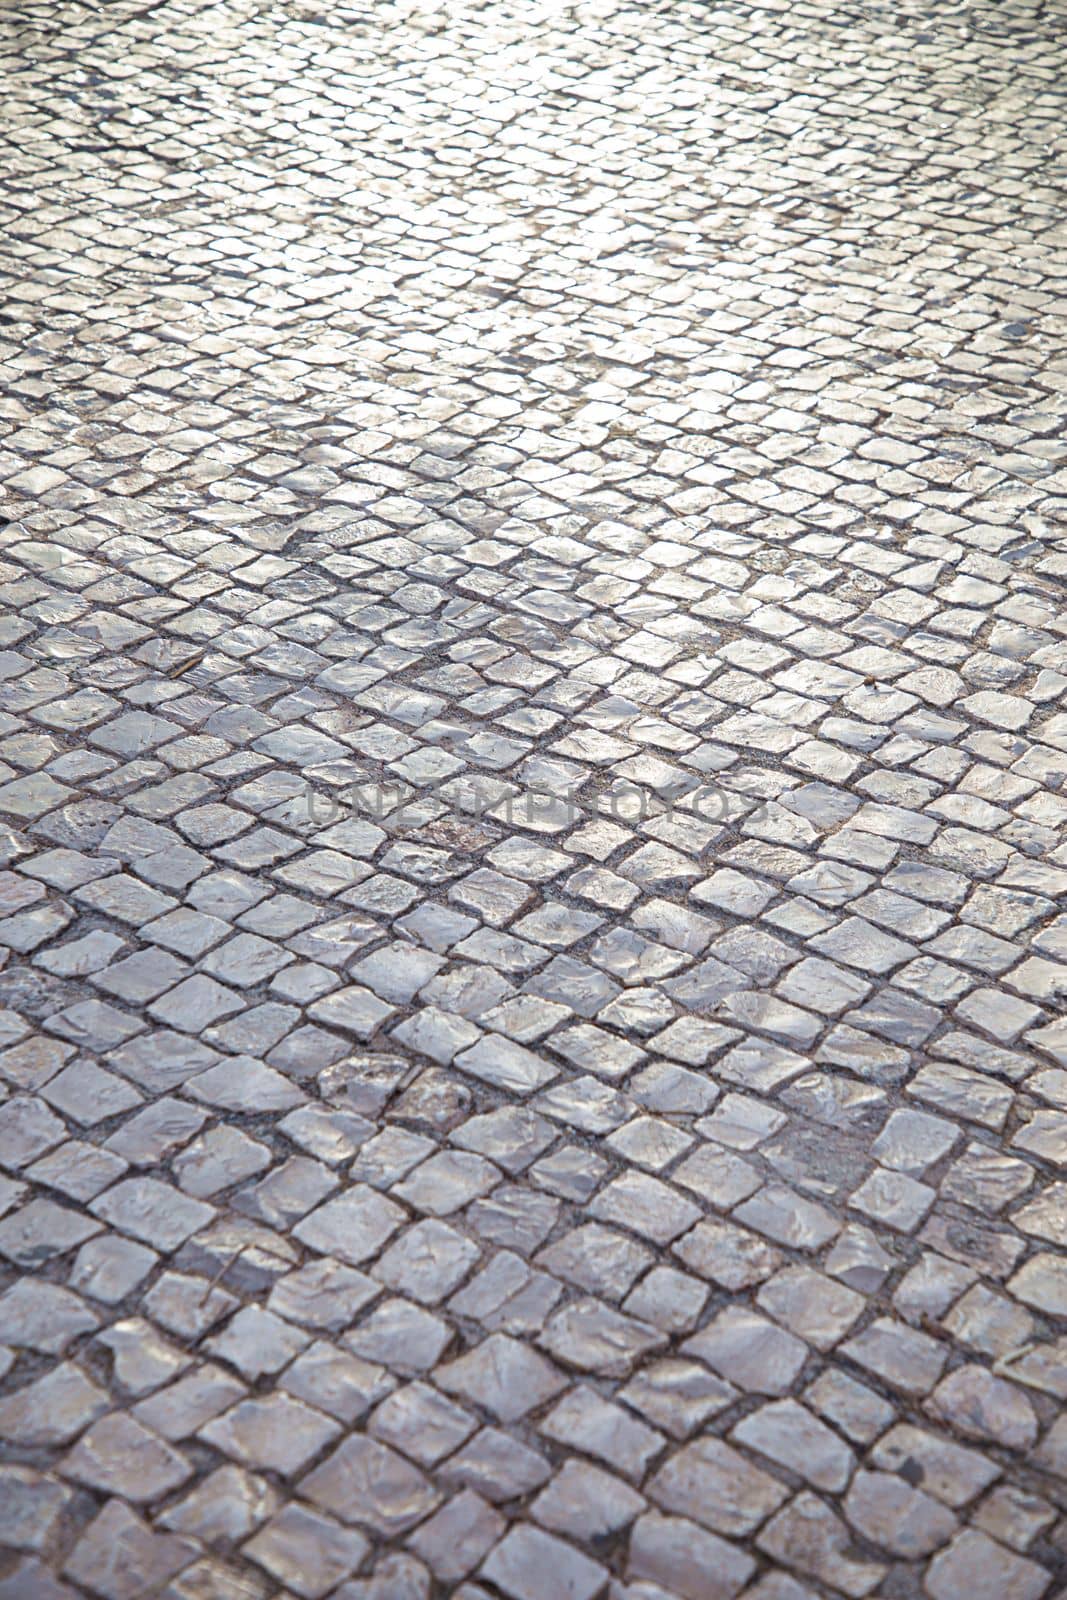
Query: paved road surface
[533, 723]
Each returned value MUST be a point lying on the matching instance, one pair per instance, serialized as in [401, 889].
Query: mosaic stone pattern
[533, 740]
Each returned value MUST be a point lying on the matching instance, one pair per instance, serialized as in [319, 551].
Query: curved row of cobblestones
[533, 738]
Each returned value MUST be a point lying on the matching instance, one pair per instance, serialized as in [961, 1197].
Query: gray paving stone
[809, 1537]
[785, 1432]
[584, 1420]
[529, 1564]
[427, 1262]
[977, 1565]
[53, 1410]
[309, 1552]
[276, 1434]
[981, 1406]
[748, 1351]
[950, 1472]
[503, 1376]
[583, 1502]
[34, 1507]
[336, 1382]
[683, 1559]
[897, 1518]
[119, 1457]
[179, 1410]
[365, 1482]
[152, 1212]
[149, 1558]
[354, 1226]
[714, 1485]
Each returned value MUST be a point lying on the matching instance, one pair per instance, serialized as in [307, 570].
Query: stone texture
[532, 801]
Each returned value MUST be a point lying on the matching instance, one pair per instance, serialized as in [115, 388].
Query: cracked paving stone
[900, 1519]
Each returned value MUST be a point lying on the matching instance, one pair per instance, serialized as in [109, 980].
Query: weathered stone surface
[897, 1518]
[714, 1485]
[976, 1565]
[981, 1406]
[53, 1410]
[367, 1483]
[684, 1559]
[787, 1433]
[531, 1565]
[812, 1539]
[532, 802]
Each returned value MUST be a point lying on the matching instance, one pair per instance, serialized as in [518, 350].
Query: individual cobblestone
[533, 772]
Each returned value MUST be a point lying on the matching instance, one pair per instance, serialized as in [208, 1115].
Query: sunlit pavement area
[533, 738]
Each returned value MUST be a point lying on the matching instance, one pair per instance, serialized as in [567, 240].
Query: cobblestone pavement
[533, 723]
